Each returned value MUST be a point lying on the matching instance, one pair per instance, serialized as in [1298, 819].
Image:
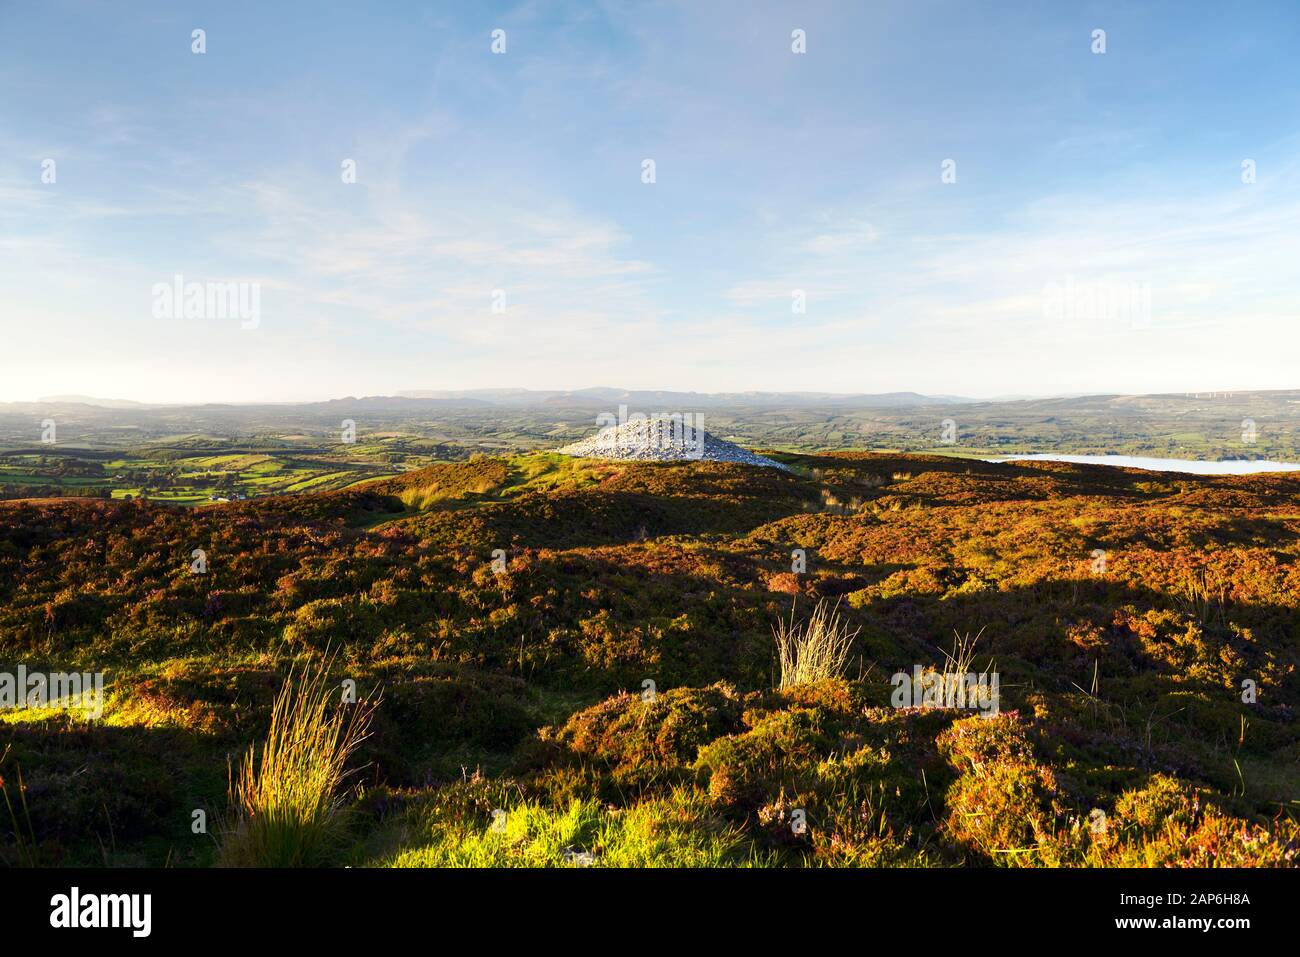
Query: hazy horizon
[939, 199]
[411, 394]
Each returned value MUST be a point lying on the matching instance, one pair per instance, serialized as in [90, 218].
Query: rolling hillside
[512, 610]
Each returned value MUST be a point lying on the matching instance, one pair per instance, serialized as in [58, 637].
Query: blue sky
[1098, 237]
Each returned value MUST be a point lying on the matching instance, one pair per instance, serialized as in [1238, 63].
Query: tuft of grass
[959, 663]
[816, 649]
[287, 801]
[1204, 596]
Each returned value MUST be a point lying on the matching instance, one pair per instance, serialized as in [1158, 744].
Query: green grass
[676, 831]
[331, 479]
[229, 463]
[547, 471]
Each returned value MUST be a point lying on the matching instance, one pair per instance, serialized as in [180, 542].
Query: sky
[944, 197]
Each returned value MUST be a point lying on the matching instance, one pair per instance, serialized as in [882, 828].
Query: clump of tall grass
[287, 794]
[959, 686]
[815, 649]
[962, 656]
[832, 503]
[1204, 596]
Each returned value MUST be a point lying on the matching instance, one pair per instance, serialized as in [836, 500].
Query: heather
[572, 663]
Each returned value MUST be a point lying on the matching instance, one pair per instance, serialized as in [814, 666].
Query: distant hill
[92, 400]
[659, 399]
[601, 399]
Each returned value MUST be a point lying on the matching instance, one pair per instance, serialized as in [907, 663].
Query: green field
[162, 475]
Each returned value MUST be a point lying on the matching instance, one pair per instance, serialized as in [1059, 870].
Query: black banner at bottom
[215, 906]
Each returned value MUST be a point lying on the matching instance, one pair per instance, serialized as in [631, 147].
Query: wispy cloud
[514, 181]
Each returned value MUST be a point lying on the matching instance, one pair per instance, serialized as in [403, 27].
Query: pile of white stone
[663, 439]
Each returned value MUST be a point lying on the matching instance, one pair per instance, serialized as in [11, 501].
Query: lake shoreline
[1154, 464]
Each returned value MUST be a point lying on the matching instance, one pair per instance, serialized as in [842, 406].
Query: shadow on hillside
[612, 622]
[93, 792]
[1217, 531]
[1063, 478]
[591, 517]
[1130, 674]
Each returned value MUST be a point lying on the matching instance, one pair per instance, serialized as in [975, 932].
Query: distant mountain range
[647, 400]
[637, 400]
[602, 399]
[89, 400]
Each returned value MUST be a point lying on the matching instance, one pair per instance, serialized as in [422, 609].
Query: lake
[1231, 467]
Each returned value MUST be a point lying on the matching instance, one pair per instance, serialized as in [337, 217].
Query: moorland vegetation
[572, 662]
